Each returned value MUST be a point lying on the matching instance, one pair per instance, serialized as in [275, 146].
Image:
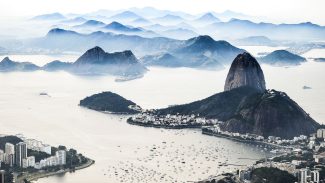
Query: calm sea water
[126, 153]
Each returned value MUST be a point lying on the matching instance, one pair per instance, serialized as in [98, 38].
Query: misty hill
[256, 41]
[140, 22]
[61, 32]
[91, 23]
[97, 61]
[164, 60]
[7, 65]
[237, 28]
[118, 27]
[75, 20]
[179, 33]
[169, 60]
[125, 16]
[65, 40]
[169, 19]
[282, 58]
[206, 19]
[57, 65]
[245, 109]
[222, 51]
[51, 16]
[109, 102]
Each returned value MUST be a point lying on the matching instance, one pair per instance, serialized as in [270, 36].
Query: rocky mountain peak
[6, 59]
[245, 71]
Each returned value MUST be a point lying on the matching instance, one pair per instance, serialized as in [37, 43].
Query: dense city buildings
[17, 155]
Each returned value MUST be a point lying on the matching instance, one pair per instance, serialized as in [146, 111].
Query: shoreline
[131, 122]
[35, 176]
[243, 140]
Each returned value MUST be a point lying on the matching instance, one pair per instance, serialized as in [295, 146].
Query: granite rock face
[272, 113]
[245, 71]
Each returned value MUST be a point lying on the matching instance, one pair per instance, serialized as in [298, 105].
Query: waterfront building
[10, 159]
[61, 156]
[10, 154]
[37, 166]
[9, 148]
[29, 162]
[20, 153]
[25, 163]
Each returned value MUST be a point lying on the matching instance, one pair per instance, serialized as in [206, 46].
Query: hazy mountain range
[200, 51]
[167, 38]
[94, 61]
[226, 25]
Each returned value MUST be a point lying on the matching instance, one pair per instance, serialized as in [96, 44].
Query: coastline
[243, 140]
[131, 122]
[38, 175]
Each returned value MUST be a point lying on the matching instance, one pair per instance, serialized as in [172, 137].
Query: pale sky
[289, 11]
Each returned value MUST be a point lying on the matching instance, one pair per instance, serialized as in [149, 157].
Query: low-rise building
[320, 133]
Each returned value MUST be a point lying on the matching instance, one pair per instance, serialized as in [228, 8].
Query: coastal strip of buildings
[16, 155]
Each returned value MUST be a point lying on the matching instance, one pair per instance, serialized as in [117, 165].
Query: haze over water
[129, 153]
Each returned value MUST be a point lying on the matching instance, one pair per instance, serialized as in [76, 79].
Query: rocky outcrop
[245, 71]
[271, 113]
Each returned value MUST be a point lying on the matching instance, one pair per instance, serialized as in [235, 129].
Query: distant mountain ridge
[195, 52]
[94, 61]
[91, 23]
[226, 25]
[115, 26]
[51, 16]
[7, 65]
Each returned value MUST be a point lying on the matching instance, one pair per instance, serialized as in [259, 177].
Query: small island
[24, 160]
[110, 102]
